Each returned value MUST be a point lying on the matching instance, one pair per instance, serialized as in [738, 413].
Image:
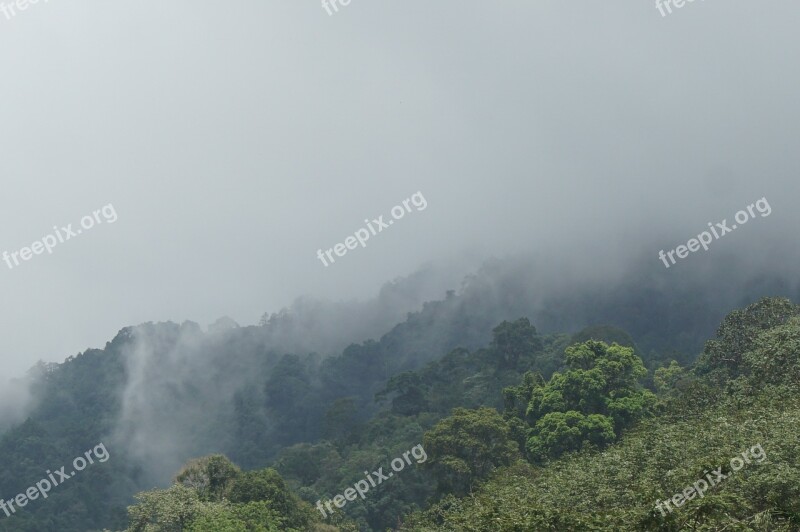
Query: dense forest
[522, 428]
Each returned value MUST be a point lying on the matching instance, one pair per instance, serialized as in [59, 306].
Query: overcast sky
[235, 139]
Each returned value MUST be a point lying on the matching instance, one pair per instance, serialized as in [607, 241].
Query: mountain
[296, 393]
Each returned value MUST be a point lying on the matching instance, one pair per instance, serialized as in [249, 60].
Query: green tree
[410, 399]
[341, 420]
[212, 493]
[211, 476]
[169, 510]
[268, 489]
[669, 380]
[605, 333]
[591, 402]
[776, 357]
[250, 517]
[467, 446]
[517, 398]
[513, 342]
[738, 333]
[559, 432]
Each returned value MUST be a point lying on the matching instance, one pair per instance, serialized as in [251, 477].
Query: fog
[235, 141]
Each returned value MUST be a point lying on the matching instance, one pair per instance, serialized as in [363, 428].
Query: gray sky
[236, 139]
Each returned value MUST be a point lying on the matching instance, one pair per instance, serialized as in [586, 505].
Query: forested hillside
[579, 429]
[723, 438]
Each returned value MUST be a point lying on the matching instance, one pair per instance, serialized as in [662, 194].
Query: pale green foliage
[250, 517]
[666, 378]
[213, 494]
[211, 476]
[169, 510]
[617, 489]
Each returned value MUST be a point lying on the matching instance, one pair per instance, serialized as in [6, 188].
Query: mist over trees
[473, 376]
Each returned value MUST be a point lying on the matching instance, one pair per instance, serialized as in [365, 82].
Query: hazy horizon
[234, 143]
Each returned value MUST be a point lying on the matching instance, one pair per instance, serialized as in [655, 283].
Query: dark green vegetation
[532, 431]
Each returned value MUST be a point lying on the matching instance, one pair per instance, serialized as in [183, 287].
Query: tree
[212, 493]
[341, 420]
[669, 379]
[410, 399]
[605, 333]
[266, 488]
[738, 333]
[211, 476]
[467, 446]
[514, 341]
[517, 398]
[169, 510]
[776, 357]
[559, 432]
[598, 396]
